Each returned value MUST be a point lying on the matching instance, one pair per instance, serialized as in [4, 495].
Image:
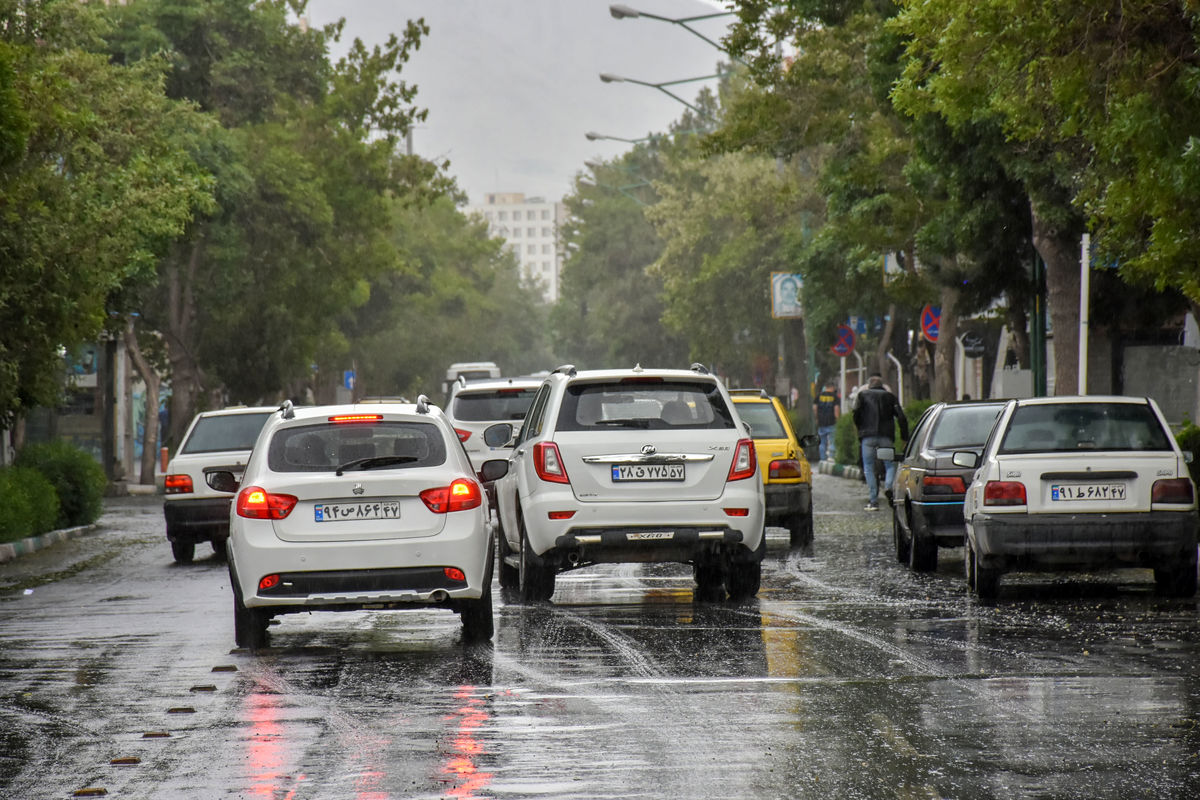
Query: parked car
[476, 406]
[194, 511]
[630, 465]
[1080, 483]
[928, 490]
[786, 473]
[358, 506]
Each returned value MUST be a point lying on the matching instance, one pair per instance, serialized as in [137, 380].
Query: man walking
[876, 412]
[826, 409]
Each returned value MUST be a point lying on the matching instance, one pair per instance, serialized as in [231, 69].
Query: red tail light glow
[462, 435]
[745, 463]
[255, 502]
[455, 574]
[178, 484]
[268, 582]
[547, 462]
[1004, 493]
[461, 495]
[356, 418]
[560, 514]
[1175, 490]
[943, 484]
[737, 512]
[785, 468]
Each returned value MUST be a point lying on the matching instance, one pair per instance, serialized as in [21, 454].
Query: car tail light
[254, 502]
[462, 435]
[944, 484]
[547, 462]
[785, 468]
[455, 574]
[461, 495]
[560, 514]
[744, 462]
[1004, 493]
[268, 582]
[178, 484]
[340, 418]
[737, 512]
[1175, 490]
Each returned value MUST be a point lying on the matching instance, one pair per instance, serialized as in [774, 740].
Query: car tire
[536, 577]
[509, 576]
[922, 551]
[969, 566]
[710, 583]
[744, 578]
[183, 552]
[249, 624]
[800, 531]
[477, 622]
[220, 548]
[1176, 582]
[902, 545]
[987, 579]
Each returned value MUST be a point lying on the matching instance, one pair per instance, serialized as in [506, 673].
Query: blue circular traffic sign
[843, 345]
[931, 319]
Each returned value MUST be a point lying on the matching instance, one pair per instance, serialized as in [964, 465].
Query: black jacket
[876, 412]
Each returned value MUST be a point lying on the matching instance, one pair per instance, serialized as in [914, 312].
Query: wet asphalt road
[848, 677]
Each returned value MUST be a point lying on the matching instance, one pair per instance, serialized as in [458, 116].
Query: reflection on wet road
[847, 677]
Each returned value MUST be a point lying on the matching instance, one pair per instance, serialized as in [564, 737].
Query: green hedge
[75, 475]
[30, 504]
[1189, 442]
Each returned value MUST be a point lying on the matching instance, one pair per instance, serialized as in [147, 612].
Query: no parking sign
[843, 345]
[931, 319]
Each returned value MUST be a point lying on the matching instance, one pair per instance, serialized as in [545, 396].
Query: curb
[840, 470]
[11, 550]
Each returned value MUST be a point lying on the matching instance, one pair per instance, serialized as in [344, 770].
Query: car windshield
[326, 446]
[963, 426]
[500, 405]
[645, 403]
[1070, 427]
[224, 432]
[763, 419]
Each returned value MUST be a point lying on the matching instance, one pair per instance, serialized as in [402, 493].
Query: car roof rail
[422, 404]
[566, 369]
[700, 368]
[287, 410]
[760, 392]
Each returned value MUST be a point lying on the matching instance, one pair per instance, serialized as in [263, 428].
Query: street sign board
[348, 379]
[972, 343]
[843, 344]
[786, 302]
[931, 318]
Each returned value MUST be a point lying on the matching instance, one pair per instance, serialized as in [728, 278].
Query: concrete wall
[1169, 374]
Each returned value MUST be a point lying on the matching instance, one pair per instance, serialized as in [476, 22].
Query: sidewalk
[840, 470]
[31, 544]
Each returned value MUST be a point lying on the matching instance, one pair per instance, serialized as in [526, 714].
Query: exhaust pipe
[573, 558]
[439, 596]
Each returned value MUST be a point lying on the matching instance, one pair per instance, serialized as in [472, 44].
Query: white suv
[631, 465]
[358, 506]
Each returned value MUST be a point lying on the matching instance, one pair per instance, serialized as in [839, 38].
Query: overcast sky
[512, 87]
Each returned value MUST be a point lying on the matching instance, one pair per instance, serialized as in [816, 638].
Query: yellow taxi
[787, 477]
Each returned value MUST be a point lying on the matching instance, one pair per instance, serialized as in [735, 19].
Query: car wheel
[922, 551]
[969, 566]
[184, 552]
[510, 576]
[898, 536]
[249, 624]
[477, 622]
[536, 577]
[801, 529]
[1176, 582]
[987, 579]
[744, 578]
[220, 547]
[710, 583]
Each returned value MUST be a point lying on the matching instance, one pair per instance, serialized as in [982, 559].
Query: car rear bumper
[1051, 541]
[943, 520]
[647, 544]
[786, 500]
[199, 520]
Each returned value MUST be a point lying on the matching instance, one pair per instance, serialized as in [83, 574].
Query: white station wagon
[1088, 482]
[358, 507]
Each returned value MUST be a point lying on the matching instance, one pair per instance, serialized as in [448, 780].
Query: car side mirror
[965, 459]
[885, 453]
[810, 440]
[498, 435]
[222, 481]
[1188, 456]
[749, 430]
[493, 470]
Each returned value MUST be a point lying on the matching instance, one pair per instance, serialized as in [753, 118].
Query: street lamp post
[622, 11]
[608, 77]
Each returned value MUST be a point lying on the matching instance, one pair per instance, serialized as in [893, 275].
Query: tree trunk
[1060, 250]
[946, 351]
[153, 382]
[186, 377]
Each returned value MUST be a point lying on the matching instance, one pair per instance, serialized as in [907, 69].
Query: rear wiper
[374, 462]
[639, 422]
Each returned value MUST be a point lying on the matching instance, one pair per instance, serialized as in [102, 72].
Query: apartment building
[529, 226]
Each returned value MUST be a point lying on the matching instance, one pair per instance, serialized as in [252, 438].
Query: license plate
[645, 535]
[1087, 491]
[341, 512]
[647, 472]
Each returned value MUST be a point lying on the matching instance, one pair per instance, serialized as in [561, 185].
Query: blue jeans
[869, 445]
[826, 434]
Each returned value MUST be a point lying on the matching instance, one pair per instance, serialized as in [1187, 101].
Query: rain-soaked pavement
[849, 677]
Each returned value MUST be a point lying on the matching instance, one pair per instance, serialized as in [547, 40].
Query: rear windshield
[225, 432]
[763, 419]
[501, 405]
[644, 403]
[1070, 427]
[327, 446]
[963, 426]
